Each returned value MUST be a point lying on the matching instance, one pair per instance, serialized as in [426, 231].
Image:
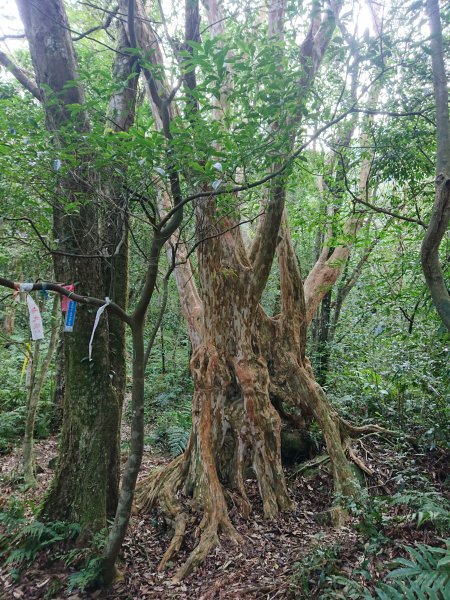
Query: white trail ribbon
[25, 287]
[37, 330]
[97, 319]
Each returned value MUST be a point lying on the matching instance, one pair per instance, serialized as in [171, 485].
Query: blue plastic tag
[70, 316]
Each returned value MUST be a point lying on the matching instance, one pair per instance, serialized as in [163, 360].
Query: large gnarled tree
[250, 370]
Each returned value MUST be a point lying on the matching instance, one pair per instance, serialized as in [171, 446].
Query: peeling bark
[249, 370]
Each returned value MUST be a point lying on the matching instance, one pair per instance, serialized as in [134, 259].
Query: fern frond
[177, 439]
[423, 576]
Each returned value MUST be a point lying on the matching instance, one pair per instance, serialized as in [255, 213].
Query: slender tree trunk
[440, 216]
[348, 283]
[323, 350]
[9, 322]
[114, 230]
[35, 394]
[58, 393]
[9, 319]
[123, 513]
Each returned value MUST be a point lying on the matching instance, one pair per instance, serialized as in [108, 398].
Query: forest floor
[287, 558]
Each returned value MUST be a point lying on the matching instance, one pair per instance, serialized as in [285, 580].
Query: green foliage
[87, 562]
[314, 570]
[23, 540]
[172, 417]
[425, 575]
[11, 426]
[424, 508]
[381, 372]
[85, 577]
[418, 508]
[13, 399]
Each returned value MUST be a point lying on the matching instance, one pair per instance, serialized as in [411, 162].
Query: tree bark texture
[58, 393]
[85, 486]
[114, 227]
[9, 320]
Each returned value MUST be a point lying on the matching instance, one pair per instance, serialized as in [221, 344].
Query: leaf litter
[267, 564]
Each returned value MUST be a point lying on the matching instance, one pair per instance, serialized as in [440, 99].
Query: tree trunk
[114, 231]
[249, 369]
[323, 350]
[234, 423]
[440, 216]
[58, 393]
[85, 486]
[9, 319]
[348, 282]
[9, 322]
[118, 530]
[81, 488]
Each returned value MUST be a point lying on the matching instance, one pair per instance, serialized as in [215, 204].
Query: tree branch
[56, 287]
[276, 173]
[12, 36]
[161, 312]
[390, 113]
[21, 76]
[107, 22]
[386, 211]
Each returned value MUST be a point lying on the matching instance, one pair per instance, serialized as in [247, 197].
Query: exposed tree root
[359, 463]
[348, 429]
[162, 489]
[227, 437]
[322, 459]
[208, 472]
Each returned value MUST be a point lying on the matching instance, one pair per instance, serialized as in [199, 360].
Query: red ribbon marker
[65, 299]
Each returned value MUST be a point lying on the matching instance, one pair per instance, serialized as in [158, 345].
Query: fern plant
[23, 545]
[177, 438]
[428, 507]
[86, 576]
[314, 571]
[423, 576]
[172, 427]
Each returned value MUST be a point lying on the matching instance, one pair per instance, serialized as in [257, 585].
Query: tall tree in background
[440, 216]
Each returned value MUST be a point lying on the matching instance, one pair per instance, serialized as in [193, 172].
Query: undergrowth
[422, 573]
[169, 412]
[25, 540]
